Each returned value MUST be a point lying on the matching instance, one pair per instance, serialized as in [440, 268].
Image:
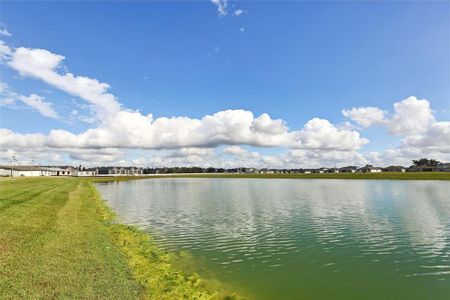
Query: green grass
[58, 240]
[380, 176]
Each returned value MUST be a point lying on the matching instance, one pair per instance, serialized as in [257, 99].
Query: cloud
[9, 98]
[20, 140]
[193, 138]
[323, 158]
[5, 52]
[234, 150]
[413, 121]
[265, 124]
[412, 116]
[191, 151]
[43, 65]
[26, 155]
[8, 102]
[131, 129]
[222, 7]
[4, 32]
[96, 155]
[321, 134]
[365, 116]
[238, 12]
[37, 102]
[435, 139]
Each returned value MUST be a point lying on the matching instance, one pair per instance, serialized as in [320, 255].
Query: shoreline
[61, 239]
[137, 245]
[346, 176]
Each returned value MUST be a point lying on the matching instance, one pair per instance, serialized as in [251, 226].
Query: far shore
[363, 176]
[353, 176]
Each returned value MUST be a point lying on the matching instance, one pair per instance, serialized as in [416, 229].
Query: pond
[301, 239]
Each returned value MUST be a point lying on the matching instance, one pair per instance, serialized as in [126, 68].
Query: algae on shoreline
[59, 239]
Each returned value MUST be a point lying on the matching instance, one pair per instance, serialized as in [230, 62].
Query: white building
[17, 171]
[85, 172]
[60, 171]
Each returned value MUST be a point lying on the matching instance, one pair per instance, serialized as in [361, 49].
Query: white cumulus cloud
[421, 135]
[37, 102]
[10, 98]
[43, 65]
[412, 116]
[365, 116]
[321, 134]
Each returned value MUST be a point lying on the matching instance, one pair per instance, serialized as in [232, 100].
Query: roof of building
[23, 168]
[394, 167]
[370, 167]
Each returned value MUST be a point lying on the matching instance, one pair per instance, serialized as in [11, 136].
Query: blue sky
[292, 60]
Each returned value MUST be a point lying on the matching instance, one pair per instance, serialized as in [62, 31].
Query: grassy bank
[59, 240]
[379, 176]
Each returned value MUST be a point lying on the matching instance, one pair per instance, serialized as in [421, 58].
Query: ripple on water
[299, 229]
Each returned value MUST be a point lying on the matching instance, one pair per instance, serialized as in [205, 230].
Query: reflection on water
[291, 239]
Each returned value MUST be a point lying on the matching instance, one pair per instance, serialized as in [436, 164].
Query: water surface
[301, 239]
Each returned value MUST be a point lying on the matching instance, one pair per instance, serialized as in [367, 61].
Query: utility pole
[13, 159]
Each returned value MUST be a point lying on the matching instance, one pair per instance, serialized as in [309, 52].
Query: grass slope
[58, 240]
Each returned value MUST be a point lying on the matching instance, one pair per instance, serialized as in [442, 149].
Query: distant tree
[425, 162]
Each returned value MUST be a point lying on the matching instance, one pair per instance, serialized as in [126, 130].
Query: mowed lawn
[58, 240]
[54, 245]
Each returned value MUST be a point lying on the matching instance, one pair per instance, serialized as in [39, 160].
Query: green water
[302, 239]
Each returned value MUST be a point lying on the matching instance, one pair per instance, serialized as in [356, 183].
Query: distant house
[120, 171]
[85, 172]
[444, 167]
[247, 170]
[369, 169]
[348, 169]
[333, 170]
[394, 169]
[266, 171]
[60, 170]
